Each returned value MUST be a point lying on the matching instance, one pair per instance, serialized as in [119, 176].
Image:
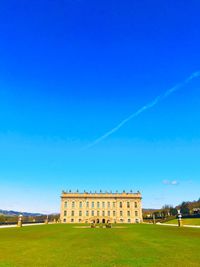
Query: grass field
[64, 245]
[195, 221]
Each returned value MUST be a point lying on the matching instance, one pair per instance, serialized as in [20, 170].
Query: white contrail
[144, 108]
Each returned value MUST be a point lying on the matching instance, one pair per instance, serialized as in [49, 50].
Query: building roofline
[101, 195]
[100, 192]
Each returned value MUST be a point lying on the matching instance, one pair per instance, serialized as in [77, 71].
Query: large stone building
[101, 207]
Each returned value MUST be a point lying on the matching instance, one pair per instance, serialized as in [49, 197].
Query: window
[65, 204]
[64, 220]
[92, 212]
[73, 204]
[135, 204]
[92, 204]
[103, 213]
[129, 220]
[98, 205]
[128, 213]
[65, 213]
[72, 212]
[128, 205]
[108, 213]
[87, 213]
[113, 204]
[114, 213]
[136, 213]
[121, 213]
[72, 220]
[103, 204]
[80, 204]
[79, 220]
[120, 204]
[87, 204]
[98, 213]
[80, 213]
[108, 204]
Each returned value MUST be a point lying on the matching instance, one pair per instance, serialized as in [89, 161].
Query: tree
[157, 214]
[173, 211]
[166, 210]
[185, 208]
[2, 218]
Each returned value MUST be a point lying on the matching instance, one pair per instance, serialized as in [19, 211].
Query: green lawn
[186, 222]
[63, 245]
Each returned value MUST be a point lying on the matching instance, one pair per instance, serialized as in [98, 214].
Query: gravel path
[14, 225]
[190, 226]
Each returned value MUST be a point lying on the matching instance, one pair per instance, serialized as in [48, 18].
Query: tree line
[186, 208]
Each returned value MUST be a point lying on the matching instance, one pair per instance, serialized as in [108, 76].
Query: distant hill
[17, 213]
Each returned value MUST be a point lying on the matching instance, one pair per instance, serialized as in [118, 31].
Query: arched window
[80, 204]
[128, 205]
[65, 213]
[72, 213]
[73, 204]
[120, 204]
[98, 205]
[80, 213]
[135, 204]
[136, 213]
[65, 204]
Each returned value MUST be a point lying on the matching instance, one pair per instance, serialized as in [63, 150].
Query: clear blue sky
[72, 70]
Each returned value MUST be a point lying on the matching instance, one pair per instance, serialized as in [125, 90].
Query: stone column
[47, 220]
[180, 222]
[19, 223]
[154, 219]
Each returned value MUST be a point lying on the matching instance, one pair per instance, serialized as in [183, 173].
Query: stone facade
[101, 207]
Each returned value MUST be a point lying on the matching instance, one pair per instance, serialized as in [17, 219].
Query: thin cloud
[144, 108]
[169, 182]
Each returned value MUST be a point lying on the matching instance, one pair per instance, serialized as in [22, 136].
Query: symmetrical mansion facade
[101, 207]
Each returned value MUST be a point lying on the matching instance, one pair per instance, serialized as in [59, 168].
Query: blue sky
[70, 71]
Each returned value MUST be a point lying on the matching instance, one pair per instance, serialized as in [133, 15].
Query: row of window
[98, 213]
[121, 220]
[99, 204]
